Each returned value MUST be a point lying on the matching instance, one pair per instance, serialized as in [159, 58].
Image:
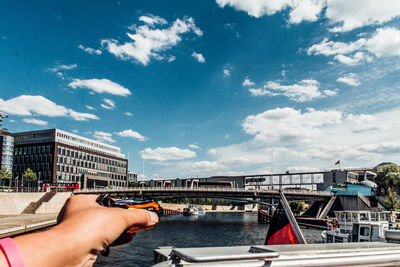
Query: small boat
[186, 212]
[357, 226]
[198, 211]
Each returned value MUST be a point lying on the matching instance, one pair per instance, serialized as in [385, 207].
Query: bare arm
[85, 228]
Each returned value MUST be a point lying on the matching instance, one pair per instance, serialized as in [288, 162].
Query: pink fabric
[11, 252]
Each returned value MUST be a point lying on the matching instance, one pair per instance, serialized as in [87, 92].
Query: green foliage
[297, 207]
[29, 175]
[392, 201]
[388, 178]
[5, 173]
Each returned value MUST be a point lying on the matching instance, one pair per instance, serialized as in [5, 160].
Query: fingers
[123, 239]
[139, 217]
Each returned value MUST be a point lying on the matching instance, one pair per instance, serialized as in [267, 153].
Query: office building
[6, 149]
[57, 156]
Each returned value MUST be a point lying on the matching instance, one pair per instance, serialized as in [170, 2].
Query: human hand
[84, 229]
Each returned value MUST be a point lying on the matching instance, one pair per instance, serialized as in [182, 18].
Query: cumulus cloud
[305, 90]
[108, 104]
[100, 86]
[132, 134]
[199, 57]
[349, 79]
[343, 15]
[35, 121]
[247, 82]
[167, 153]
[288, 125]
[90, 107]
[347, 15]
[382, 148]
[384, 42]
[147, 42]
[103, 136]
[300, 10]
[89, 50]
[28, 105]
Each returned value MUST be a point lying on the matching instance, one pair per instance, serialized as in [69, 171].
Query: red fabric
[337, 162]
[284, 236]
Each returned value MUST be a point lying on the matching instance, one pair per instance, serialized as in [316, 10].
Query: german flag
[337, 162]
[283, 229]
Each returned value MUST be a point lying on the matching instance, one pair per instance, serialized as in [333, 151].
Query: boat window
[354, 216]
[363, 217]
[374, 217]
[348, 217]
[364, 231]
[383, 217]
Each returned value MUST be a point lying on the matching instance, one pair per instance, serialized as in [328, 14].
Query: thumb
[139, 217]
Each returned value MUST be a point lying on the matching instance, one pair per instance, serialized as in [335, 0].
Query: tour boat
[357, 226]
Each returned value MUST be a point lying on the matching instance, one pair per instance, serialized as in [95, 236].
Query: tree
[4, 174]
[388, 178]
[297, 207]
[392, 201]
[29, 175]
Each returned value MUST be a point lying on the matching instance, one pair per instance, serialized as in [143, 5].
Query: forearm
[54, 247]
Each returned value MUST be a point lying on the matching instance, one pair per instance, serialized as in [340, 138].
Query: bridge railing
[203, 189]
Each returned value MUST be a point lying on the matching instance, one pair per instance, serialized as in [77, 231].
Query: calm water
[212, 229]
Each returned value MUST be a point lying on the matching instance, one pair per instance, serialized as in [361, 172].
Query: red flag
[280, 230]
[337, 162]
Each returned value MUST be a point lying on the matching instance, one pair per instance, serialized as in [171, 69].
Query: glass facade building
[58, 156]
[6, 150]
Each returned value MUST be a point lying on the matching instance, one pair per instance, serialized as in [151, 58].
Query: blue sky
[200, 88]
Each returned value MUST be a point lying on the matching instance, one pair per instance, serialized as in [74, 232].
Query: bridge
[222, 193]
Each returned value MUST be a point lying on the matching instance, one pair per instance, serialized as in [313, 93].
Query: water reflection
[212, 229]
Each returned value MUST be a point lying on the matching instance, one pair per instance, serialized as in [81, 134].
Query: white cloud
[289, 125]
[204, 166]
[132, 134]
[79, 116]
[199, 57]
[347, 15]
[329, 48]
[100, 86]
[108, 104]
[305, 90]
[152, 20]
[90, 107]
[60, 67]
[349, 79]
[382, 148]
[227, 72]
[300, 10]
[385, 42]
[34, 121]
[28, 105]
[103, 137]
[167, 153]
[194, 146]
[171, 58]
[75, 131]
[128, 114]
[147, 42]
[247, 82]
[227, 136]
[90, 50]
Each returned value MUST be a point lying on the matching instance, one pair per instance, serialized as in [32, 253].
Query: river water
[212, 229]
